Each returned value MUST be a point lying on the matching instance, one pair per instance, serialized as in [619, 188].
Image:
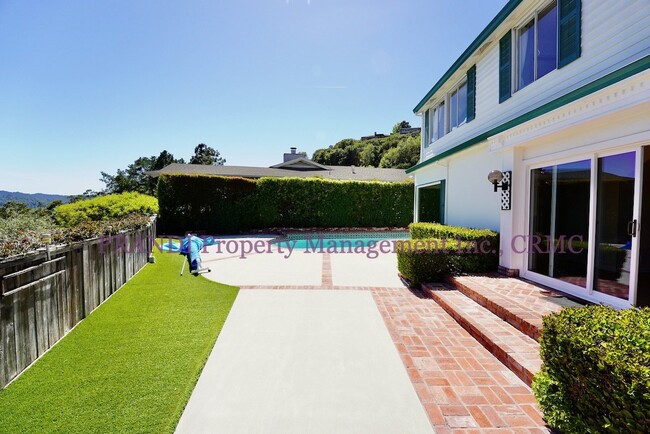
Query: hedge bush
[28, 240]
[430, 259]
[314, 202]
[112, 206]
[595, 375]
[211, 203]
[440, 231]
[228, 205]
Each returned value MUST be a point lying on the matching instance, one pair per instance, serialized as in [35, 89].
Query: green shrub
[107, 207]
[430, 259]
[228, 205]
[440, 231]
[314, 202]
[595, 375]
[29, 239]
[205, 203]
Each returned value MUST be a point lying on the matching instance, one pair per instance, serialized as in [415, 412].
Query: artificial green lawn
[131, 365]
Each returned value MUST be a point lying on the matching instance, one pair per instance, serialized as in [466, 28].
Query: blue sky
[89, 86]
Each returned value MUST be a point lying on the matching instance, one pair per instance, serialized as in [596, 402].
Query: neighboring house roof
[301, 163]
[327, 172]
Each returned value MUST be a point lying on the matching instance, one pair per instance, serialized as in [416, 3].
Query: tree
[135, 177]
[13, 208]
[398, 126]
[206, 155]
[403, 156]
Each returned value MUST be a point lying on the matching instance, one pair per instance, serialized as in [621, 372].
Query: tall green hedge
[595, 376]
[209, 203]
[227, 205]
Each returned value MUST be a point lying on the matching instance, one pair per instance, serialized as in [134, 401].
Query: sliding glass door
[583, 225]
[559, 230]
[615, 224]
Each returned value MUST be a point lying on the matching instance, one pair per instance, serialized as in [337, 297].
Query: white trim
[592, 155]
[623, 95]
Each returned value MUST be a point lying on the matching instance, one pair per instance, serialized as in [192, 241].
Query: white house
[555, 95]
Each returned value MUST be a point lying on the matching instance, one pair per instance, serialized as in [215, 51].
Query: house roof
[301, 163]
[328, 172]
[480, 39]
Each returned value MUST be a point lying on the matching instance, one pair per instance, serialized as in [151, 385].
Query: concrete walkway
[324, 343]
[315, 361]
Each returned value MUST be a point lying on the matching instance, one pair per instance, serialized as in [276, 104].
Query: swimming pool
[324, 241]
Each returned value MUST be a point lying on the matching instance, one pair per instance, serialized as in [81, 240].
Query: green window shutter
[505, 60]
[471, 93]
[426, 128]
[569, 12]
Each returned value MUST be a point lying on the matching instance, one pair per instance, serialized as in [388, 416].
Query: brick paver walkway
[520, 303]
[520, 353]
[463, 387]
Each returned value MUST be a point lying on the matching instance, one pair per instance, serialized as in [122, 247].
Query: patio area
[318, 338]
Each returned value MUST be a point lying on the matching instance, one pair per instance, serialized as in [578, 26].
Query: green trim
[596, 85]
[482, 37]
[471, 93]
[505, 66]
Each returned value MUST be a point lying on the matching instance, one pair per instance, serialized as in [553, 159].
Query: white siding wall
[470, 198]
[614, 34]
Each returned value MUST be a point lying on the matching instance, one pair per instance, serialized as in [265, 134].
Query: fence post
[86, 281]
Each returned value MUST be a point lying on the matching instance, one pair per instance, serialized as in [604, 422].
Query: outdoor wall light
[502, 180]
[496, 178]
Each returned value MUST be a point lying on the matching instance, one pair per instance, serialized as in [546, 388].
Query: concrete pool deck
[299, 268]
[311, 361]
[313, 344]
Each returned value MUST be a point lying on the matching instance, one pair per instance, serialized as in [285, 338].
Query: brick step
[517, 351]
[520, 303]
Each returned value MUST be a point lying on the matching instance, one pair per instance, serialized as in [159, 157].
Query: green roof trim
[482, 37]
[596, 85]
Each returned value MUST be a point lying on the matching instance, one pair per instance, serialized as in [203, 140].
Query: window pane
[426, 128]
[441, 120]
[434, 123]
[559, 213]
[616, 176]
[462, 104]
[547, 41]
[526, 55]
[453, 113]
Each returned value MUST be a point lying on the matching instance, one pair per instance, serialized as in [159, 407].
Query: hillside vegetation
[398, 151]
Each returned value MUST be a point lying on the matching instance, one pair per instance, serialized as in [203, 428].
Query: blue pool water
[342, 242]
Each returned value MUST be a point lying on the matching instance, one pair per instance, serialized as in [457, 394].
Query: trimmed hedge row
[435, 251]
[112, 206]
[440, 231]
[595, 375]
[228, 205]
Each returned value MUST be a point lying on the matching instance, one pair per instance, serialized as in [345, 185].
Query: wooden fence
[42, 298]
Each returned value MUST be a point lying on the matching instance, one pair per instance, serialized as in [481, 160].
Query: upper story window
[438, 122]
[458, 106]
[537, 46]
[549, 40]
[434, 124]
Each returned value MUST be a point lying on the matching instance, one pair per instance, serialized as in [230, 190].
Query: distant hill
[31, 200]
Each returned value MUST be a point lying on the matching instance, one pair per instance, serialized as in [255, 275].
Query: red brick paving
[514, 349]
[462, 386]
[520, 303]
